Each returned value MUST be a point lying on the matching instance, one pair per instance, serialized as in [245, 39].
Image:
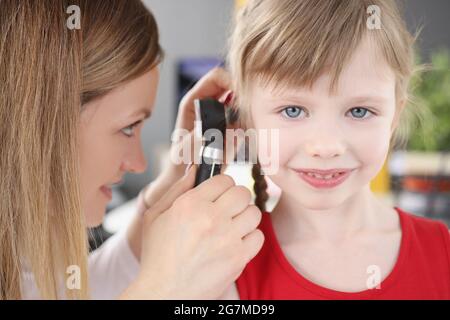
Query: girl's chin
[316, 199]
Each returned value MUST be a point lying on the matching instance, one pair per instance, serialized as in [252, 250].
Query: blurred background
[194, 33]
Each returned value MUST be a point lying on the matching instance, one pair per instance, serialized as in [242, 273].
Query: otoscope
[211, 114]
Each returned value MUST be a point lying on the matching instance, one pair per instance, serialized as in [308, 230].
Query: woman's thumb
[179, 188]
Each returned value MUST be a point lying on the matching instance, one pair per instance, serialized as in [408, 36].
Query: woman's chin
[95, 215]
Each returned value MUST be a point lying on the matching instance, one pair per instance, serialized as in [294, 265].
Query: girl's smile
[324, 179]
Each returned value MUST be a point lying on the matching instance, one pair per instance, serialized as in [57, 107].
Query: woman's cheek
[100, 166]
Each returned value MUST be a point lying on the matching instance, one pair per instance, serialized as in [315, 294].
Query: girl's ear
[397, 115]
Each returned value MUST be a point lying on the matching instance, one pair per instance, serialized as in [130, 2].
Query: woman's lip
[107, 192]
[322, 183]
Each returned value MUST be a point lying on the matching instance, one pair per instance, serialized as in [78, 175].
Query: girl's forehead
[365, 72]
[367, 64]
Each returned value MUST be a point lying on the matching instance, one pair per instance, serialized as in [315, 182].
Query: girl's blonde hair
[293, 42]
[47, 73]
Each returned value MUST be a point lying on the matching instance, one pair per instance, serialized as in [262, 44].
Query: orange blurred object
[426, 184]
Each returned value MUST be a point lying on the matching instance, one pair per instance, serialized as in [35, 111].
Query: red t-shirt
[422, 269]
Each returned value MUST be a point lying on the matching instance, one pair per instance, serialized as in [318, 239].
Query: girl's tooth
[318, 176]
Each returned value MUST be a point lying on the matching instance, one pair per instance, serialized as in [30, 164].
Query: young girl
[334, 84]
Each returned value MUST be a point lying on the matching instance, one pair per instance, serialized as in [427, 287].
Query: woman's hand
[215, 84]
[196, 242]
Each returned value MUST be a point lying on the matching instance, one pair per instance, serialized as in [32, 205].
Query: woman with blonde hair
[72, 104]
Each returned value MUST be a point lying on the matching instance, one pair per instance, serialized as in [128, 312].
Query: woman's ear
[398, 111]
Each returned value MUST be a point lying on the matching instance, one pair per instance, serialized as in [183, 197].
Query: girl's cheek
[278, 145]
[289, 144]
[370, 148]
[371, 144]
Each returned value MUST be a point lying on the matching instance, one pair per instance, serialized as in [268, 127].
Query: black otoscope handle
[206, 171]
[211, 113]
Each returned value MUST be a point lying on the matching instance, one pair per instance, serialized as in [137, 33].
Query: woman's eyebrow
[141, 112]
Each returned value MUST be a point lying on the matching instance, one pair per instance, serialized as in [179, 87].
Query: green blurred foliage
[432, 90]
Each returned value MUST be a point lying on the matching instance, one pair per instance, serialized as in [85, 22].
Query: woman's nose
[135, 161]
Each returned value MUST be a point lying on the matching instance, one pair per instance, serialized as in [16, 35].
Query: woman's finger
[234, 201]
[252, 243]
[213, 84]
[247, 221]
[214, 187]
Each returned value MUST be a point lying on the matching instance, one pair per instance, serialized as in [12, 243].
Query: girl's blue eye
[360, 112]
[291, 111]
[129, 131]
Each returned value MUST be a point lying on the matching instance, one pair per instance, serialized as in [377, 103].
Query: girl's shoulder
[423, 226]
[426, 236]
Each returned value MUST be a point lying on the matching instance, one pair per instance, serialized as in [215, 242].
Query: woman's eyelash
[292, 112]
[126, 130]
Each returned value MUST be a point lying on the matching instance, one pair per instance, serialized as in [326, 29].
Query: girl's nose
[326, 139]
[324, 147]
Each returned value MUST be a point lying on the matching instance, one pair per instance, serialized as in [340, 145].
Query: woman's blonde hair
[293, 42]
[47, 73]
